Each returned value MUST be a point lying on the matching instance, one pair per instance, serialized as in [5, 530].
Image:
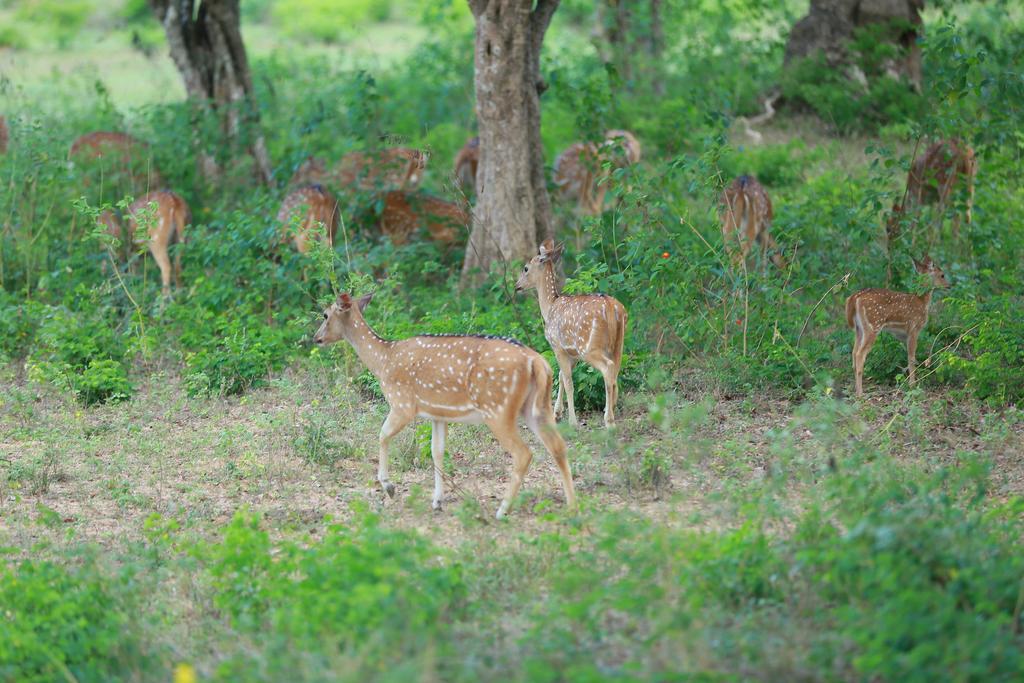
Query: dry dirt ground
[304, 447]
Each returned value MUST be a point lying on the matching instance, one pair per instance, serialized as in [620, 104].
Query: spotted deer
[312, 171]
[579, 172]
[466, 163]
[902, 315]
[315, 206]
[934, 174]
[591, 327]
[746, 214]
[127, 154]
[4, 135]
[404, 214]
[165, 225]
[451, 378]
[387, 169]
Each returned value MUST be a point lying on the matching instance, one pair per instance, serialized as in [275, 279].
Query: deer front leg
[438, 434]
[394, 423]
[911, 356]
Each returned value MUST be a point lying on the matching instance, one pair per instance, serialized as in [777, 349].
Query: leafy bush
[327, 20]
[992, 368]
[65, 624]
[232, 356]
[84, 353]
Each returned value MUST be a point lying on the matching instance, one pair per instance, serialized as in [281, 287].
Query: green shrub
[65, 624]
[327, 20]
[233, 356]
[82, 352]
[991, 361]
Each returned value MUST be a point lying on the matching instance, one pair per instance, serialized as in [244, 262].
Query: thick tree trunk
[513, 206]
[830, 24]
[206, 46]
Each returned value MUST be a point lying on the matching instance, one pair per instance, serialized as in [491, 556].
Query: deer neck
[547, 291]
[370, 348]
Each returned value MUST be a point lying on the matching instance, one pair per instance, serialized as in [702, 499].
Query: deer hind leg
[609, 372]
[438, 434]
[565, 364]
[508, 436]
[544, 428]
[394, 423]
[867, 340]
[163, 262]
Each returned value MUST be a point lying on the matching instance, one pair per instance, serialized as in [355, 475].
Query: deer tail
[851, 305]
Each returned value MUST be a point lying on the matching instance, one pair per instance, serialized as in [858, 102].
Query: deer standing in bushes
[4, 135]
[124, 151]
[591, 327]
[934, 175]
[316, 206]
[452, 378]
[902, 315]
[393, 168]
[166, 226]
[579, 171]
[404, 213]
[746, 215]
[466, 163]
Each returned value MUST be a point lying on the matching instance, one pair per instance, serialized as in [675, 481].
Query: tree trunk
[206, 46]
[513, 206]
[656, 47]
[830, 24]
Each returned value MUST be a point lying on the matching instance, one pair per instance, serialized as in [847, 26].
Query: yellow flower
[184, 673]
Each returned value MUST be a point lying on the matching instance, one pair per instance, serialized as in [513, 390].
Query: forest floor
[305, 447]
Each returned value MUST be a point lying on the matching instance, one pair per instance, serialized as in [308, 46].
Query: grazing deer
[745, 206]
[466, 163]
[123, 150]
[579, 171]
[903, 315]
[4, 135]
[394, 168]
[934, 174]
[316, 206]
[451, 378]
[591, 327]
[405, 213]
[166, 227]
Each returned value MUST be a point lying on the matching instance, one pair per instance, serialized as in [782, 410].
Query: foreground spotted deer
[903, 315]
[404, 214]
[466, 163]
[579, 171]
[453, 378]
[315, 206]
[746, 215]
[591, 327]
[166, 226]
[935, 174]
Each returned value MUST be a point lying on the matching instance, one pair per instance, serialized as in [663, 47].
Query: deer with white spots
[164, 215]
[453, 378]
[314, 206]
[902, 315]
[579, 172]
[746, 215]
[591, 327]
[934, 175]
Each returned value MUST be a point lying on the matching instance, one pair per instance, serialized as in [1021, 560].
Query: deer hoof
[436, 505]
[389, 488]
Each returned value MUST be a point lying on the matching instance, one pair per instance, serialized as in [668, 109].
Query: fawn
[746, 215]
[316, 206]
[165, 227]
[579, 171]
[587, 326]
[454, 378]
[902, 315]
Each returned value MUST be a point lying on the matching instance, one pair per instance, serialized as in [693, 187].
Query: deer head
[928, 267]
[339, 318]
[534, 268]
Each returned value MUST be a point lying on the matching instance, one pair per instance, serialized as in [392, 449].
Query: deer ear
[546, 249]
[344, 301]
[556, 254]
[364, 301]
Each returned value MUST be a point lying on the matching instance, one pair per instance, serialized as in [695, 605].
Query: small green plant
[235, 356]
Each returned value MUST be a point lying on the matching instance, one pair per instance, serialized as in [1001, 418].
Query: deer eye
[526, 269]
[325, 316]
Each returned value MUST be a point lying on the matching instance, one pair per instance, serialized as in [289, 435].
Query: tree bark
[206, 46]
[513, 208]
[830, 24]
